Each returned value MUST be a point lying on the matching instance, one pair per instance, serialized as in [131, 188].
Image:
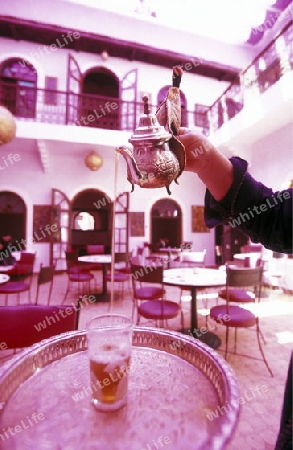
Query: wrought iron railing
[67, 108]
[260, 75]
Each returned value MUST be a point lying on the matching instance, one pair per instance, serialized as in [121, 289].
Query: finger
[182, 130]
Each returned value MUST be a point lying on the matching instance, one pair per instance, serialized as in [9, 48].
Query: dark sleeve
[265, 216]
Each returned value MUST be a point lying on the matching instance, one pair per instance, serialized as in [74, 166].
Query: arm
[234, 197]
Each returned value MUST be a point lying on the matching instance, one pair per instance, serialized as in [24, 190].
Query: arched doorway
[100, 99]
[161, 97]
[13, 218]
[91, 220]
[18, 87]
[166, 223]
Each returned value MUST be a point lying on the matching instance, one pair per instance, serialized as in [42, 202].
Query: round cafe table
[194, 279]
[176, 386]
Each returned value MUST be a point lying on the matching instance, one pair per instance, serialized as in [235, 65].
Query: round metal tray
[181, 395]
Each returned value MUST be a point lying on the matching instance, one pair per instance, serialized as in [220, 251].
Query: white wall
[272, 158]
[197, 89]
[93, 20]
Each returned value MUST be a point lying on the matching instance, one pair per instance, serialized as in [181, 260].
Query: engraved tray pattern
[174, 382]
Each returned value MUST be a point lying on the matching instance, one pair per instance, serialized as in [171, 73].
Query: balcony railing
[260, 75]
[67, 108]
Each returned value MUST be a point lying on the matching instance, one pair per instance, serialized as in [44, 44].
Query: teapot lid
[149, 129]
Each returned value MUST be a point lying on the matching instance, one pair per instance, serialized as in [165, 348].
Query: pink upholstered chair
[95, 249]
[20, 277]
[148, 295]
[45, 277]
[77, 275]
[243, 285]
[24, 325]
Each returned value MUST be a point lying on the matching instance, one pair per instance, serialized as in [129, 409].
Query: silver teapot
[157, 157]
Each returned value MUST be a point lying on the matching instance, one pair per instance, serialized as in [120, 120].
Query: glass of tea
[109, 339]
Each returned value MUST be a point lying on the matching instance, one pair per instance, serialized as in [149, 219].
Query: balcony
[29, 103]
[264, 72]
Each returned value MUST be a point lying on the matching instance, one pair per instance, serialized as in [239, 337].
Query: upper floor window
[18, 89]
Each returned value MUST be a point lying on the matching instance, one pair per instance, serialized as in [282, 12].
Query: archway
[19, 88]
[166, 224]
[13, 218]
[100, 99]
[91, 212]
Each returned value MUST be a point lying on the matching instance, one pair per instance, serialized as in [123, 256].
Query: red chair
[73, 265]
[76, 275]
[95, 249]
[20, 277]
[23, 268]
[148, 293]
[45, 276]
[243, 285]
[24, 325]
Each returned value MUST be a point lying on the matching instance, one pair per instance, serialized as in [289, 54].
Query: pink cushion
[117, 277]
[14, 287]
[159, 309]
[149, 293]
[80, 277]
[84, 268]
[238, 295]
[238, 317]
[125, 270]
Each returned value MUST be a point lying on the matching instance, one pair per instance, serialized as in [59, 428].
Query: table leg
[104, 296]
[104, 279]
[202, 334]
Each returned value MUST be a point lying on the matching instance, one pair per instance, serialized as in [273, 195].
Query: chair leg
[227, 341]
[235, 340]
[182, 320]
[258, 332]
[67, 290]
[262, 336]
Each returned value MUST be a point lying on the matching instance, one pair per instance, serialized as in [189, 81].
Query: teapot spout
[134, 174]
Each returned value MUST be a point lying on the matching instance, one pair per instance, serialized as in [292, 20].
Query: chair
[95, 249]
[23, 268]
[73, 265]
[27, 258]
[121, 272]
[24, 325]
[148, 293]
[243, 285]
[77, 276]
[45, 275]
[20, 277]
[192, 259]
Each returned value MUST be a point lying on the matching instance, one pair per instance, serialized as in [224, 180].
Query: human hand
[211, 166]
[197, 148]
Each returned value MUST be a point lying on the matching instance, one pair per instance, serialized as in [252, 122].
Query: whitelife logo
[23, 425]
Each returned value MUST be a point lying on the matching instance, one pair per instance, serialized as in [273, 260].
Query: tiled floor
[260, 414]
